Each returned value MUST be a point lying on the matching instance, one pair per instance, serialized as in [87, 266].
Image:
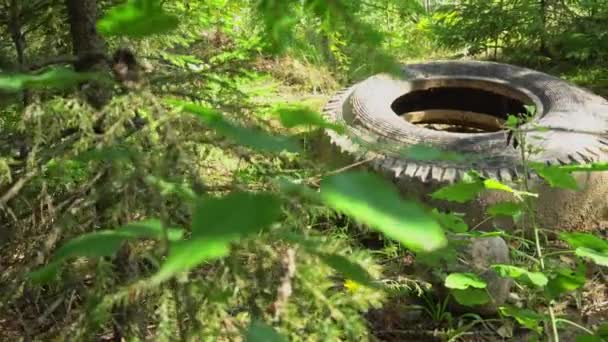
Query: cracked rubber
[576, 132]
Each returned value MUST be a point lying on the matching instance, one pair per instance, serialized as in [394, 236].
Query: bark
[89, 47]
[543, 22]
[15, 27]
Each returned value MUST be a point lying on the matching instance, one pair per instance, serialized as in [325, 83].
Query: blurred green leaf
[253, 138]
[586, 240]
[563, 280]
[512, 209]
[349, 269]
[424, 152]
[261, 332]
[584, 167]
[234, 215]
[106, 243]
[460, 192]
[555, 176]
[450, 221]
[136, 19]
[54, 78]
[185, 255]
[373, 201]
[45, 274]
[598, 257]
[302, 116]
[462, 281]
[589, 338]
[521, 274]
[471, 296]
[527, 318]
[216, 223]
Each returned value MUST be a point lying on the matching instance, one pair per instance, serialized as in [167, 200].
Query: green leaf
[555, 176]
[451, 222]
[136, 19]
[185, 255]
[234, 215]
[462, 281]
[586, 240]
[591, 167]
[512, 121]
[589, 338]
[425, 152]
[375, 202]
[54, 78]
[512, 209]
[301, 116]
[471, 296]
[598, 257]
[245, 136]
[461, 192]
[493, 184]
[261, 332]
[527, 318]
[107, 242]
[216, 223]
[563, 280]
[45, 274]
[521, 274]
[349, 269]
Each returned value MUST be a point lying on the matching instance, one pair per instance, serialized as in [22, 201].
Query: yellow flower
[351, 285]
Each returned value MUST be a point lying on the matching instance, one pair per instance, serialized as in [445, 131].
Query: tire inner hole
[463, 106]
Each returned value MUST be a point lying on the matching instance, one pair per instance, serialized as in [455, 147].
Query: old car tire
[478, 94]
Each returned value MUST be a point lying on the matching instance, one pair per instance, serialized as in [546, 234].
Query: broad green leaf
[462, 281]
[348, 269]
[375, 202]
[54, 78]
[107, 242]
[451, 222]
[527, 318]
[253, 138]
[591, 167]
[512, 121]
[598, 257]
[512, 209]
[555, 176]
[471, 296]
[301, 116]
[261, 332]
[234, 215]
[521, 274]
[493, 184]
[425, 152]
[136, 18]
[586, 240]
[185, 255]
[563, 280]
[589, 338]
[461, 192]
[46, 273]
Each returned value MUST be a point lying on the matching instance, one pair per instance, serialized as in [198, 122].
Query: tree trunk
[89, 47]
[543, 23]
[16, 29]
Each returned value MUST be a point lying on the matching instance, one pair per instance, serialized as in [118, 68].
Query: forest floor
[416, 316]
[405, 317]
